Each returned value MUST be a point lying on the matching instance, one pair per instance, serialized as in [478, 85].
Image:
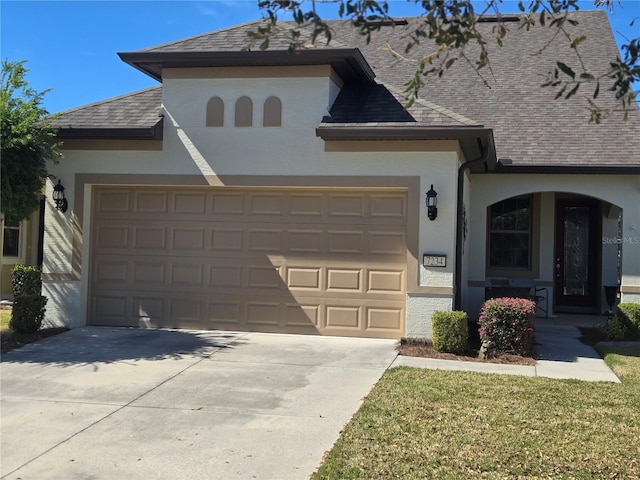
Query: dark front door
[577, 252]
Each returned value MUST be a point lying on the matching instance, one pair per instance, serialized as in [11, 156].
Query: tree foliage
[448, 31]
[27, 142]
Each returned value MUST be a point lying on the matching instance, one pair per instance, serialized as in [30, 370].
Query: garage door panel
[113, 201]
[384, 319]
[347, 317]
[185, 309]
[151, 202]
[389, 206]
[223, 310]
[227, 239]
[149, 237]
[306, 279]
[347, 205]
[153, 273]
[148, 307]
[305, 241]
[110, 306]
[111, 271]
[113, 237]
[385, 281]
[225, 204]
[185, 238]
[306, 205]
[386, 243]
[296, 261]
[229, 276]
[263, 313]
[303, 315]
[350, 242]
[189, 203]
[341, 280]
[264, 240]
[266, 204]
[264, 277]
[187, 275]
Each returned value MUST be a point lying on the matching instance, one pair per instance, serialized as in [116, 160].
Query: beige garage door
[329, 262]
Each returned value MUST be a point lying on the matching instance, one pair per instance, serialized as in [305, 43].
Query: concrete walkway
[559, 350]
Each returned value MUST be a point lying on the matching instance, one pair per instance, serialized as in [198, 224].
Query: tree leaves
[563, 66]
[451, 26]
[27, 142]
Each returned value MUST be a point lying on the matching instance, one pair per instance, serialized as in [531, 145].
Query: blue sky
[71, 46]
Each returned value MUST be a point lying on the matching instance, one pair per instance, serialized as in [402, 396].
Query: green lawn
[428, 424]
[5, 317]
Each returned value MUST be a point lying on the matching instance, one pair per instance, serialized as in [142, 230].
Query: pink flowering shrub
[506, 326]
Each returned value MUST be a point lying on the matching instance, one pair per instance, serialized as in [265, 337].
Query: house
[286, 192]
[20, 244]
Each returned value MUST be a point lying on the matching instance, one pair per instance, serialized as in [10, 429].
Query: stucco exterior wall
[293, 150]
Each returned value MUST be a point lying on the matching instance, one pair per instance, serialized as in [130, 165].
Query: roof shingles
[137, 109]
[530, 127]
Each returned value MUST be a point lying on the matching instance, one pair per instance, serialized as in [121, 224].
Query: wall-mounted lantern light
[58, 197]
[432, 204]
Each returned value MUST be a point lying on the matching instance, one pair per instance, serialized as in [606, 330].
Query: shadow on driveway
[92, 345]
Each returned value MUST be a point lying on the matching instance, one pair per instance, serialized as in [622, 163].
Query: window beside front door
[11, 237]
[510, 236]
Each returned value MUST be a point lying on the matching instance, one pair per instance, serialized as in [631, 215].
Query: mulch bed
[418, 347]
[11, 340]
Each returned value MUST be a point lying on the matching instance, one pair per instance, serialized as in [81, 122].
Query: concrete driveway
[115, 403]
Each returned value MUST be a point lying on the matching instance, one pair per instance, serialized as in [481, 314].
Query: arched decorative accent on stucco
[244, 112]
[215, 112]
[272, 115]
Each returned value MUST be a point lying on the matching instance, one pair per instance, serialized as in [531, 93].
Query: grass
[5, 317]
[428, 424]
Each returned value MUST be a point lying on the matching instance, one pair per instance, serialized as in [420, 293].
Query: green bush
[28, 305]
[26, 280]
[27, 313]
[630, 312]
[450, 331]
[506, 326]
[625, 324]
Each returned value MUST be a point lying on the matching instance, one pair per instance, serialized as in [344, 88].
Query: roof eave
[349, 63]
[473, 139]
[619, 169]
[330, 132]
[154, 132]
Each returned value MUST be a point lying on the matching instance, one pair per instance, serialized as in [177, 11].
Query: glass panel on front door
[576, 279]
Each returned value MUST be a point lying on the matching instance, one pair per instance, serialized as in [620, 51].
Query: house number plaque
[434, 260]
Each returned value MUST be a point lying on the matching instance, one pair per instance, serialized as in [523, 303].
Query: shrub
[450, 331]
[625, 324]
[26, 280]
[27, 313]
[506, 326]
[630, 312]
[28, 305]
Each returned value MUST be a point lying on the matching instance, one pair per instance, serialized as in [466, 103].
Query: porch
[563, 240]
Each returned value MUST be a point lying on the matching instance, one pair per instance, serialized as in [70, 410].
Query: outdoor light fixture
[58, 197]
[432, 202]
